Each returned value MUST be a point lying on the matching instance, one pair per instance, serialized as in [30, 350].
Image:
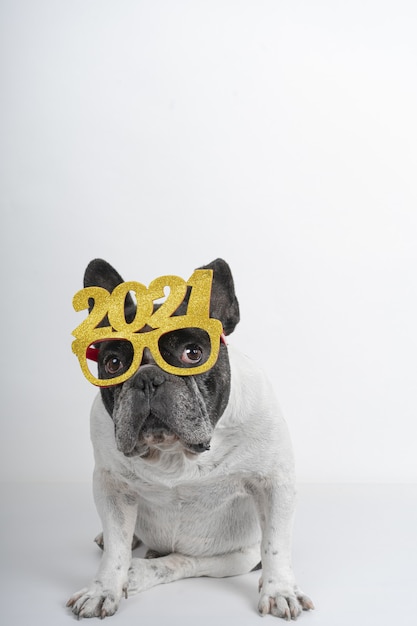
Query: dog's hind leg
[145, 573]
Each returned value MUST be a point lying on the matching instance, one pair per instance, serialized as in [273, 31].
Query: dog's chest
[198, 512]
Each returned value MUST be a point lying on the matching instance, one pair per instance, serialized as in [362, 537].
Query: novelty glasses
[153, 327]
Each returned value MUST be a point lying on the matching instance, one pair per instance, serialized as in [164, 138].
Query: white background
[279, 135]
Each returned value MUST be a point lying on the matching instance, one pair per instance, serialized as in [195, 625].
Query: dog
[197, 467]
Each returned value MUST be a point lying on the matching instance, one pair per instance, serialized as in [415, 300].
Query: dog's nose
[148, 376]
[199, 447]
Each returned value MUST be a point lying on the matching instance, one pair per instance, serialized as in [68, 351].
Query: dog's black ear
[224, 305]
[99, 273]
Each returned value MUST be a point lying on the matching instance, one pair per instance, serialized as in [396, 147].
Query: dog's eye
[113, 365]
[192, 354]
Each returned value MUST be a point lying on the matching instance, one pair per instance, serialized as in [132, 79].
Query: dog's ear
[224, 305]
[99, 273]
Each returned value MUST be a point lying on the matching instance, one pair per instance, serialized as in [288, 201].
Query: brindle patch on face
[170, 414]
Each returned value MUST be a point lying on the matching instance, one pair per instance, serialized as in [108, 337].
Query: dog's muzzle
[162, 411]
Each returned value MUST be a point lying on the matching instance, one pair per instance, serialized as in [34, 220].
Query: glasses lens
[114, 358]
[185, 348]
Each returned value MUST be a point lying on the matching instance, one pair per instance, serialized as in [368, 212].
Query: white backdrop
[280, 135]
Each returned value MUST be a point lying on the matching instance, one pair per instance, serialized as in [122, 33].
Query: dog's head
[155, 410]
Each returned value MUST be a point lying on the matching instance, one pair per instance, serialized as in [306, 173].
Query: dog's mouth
[151, 424]
[151, 444]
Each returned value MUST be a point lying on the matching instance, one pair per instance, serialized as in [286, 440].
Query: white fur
[217, 514]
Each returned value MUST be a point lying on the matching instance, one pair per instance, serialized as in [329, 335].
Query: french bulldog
[199, 467]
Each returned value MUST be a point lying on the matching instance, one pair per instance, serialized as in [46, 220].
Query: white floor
[355, 554]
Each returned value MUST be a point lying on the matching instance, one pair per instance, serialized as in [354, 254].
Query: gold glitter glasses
[156, 328]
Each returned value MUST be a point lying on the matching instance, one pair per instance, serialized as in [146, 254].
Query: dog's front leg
[280, 595]
[117, 508]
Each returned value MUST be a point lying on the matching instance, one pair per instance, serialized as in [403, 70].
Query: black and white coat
[216, 503]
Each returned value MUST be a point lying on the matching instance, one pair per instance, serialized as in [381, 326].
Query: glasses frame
[103, 305]
[150, 339]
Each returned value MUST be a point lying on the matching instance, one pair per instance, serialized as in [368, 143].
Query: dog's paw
[287, 603]
[94, 601]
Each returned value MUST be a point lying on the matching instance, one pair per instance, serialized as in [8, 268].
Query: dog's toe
[285, 605]
[93, 603]
[279, 606]
[305, 601]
